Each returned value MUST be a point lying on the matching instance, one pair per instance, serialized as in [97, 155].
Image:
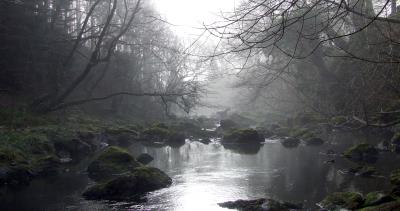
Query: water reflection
[205, 175]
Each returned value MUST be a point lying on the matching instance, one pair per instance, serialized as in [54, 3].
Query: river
[204, 175]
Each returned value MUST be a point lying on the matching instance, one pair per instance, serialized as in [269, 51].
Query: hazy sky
[189, 14]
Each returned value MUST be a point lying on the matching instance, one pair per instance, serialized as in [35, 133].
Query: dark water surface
[205, 175]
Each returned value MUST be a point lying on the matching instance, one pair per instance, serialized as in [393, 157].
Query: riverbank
[199, 155]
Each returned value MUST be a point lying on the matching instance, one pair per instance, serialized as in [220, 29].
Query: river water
[204, 175]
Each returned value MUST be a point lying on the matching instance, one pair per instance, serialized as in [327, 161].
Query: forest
[266, 105]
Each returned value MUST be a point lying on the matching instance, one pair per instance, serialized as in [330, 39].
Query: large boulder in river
[111, 162]
[377, 198]
[342, 200]
[362, 152]
[242, 136]
[130, 186]
[260, 205]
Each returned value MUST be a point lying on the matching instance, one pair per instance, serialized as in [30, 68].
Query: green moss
[20, 117]
[25, 144]
[260, 204]
[337, 120]
[242, 136]
[130, 186]
[302, 133]
[389, 206]
[396, 138]
[25, 154]
[153, 178]
[8, 155]
[371, 197]
[112, 161]
[395, 177]
[348, 200]
[376, 198]
[115, 154]
[157, 132]
[361, 151]
[122, 129]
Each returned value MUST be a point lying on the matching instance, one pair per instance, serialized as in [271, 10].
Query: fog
[153, 105]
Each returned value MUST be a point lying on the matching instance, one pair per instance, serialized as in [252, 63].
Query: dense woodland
[57, 54]
[266, 98]
[327, 57]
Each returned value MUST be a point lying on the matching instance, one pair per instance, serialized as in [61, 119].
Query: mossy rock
[131, 186]
[260, 205]
[290, 142]
[155, 134]
[362, 152]
[46, 166]
[395, 177]
[242, 136]
[347, 200]
[24, 145]
[377, 198]
[389, 206]
[25, 154]
[111, 162]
